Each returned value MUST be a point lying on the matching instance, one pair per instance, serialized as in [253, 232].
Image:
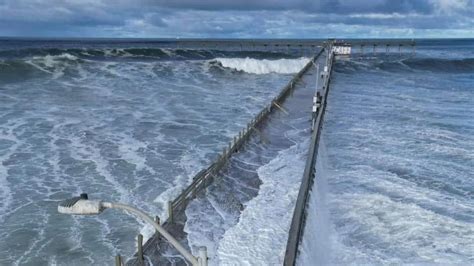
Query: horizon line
[228, 39]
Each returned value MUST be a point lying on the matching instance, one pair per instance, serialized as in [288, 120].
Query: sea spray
[260, 235]
[400, 139]
[315, 246]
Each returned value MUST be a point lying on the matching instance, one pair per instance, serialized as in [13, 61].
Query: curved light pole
[83, 206]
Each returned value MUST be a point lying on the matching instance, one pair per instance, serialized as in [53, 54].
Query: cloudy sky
[237, 18]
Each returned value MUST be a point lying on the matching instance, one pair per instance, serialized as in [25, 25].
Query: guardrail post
[141, 261]
[170, 211]
[118, 260]
[157, 220]
[202, 259]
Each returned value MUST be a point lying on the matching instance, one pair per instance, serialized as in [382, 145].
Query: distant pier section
[346, 46]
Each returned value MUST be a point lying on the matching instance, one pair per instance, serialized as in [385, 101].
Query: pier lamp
[83, 206]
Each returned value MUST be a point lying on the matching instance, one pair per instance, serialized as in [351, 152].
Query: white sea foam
[414, 233]
[190, 161]
[121, 131]
[264, 66]
[169, 52]
[52, 64]
[399, 187]
[5, 191]
[259, 238]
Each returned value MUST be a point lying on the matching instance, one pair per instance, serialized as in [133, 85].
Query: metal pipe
[186, 254]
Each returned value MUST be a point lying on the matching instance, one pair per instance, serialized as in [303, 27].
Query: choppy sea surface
[133, 122]
[396, 168]
[123, 122]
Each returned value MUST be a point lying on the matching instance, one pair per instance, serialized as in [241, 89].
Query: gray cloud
[321, 6]
[245, 18]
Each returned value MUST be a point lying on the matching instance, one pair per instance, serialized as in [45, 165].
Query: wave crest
[137, 52]
[262, 66]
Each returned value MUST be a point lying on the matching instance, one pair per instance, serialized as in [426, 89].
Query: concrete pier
[299, 215]
[261, 138]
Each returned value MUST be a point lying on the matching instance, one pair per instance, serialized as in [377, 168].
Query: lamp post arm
[189, 257]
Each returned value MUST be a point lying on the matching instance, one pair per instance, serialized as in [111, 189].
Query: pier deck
[260, 140]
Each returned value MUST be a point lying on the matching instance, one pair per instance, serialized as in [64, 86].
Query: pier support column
[170, 211]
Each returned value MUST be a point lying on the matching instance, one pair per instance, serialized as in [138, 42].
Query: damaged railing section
[299, 214]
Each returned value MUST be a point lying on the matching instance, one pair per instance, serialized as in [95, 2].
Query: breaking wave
[263, 66]
[22, 69]
[23, 64]
[154, 53]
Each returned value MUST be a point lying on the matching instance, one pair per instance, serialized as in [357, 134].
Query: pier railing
[299, 214]
[320, 100]
[285, 44]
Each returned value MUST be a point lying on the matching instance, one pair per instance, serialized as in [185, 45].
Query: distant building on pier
[341, 48]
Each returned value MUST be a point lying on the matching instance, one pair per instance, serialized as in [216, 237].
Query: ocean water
[128, 122]
[395, 182]
[134, 121]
